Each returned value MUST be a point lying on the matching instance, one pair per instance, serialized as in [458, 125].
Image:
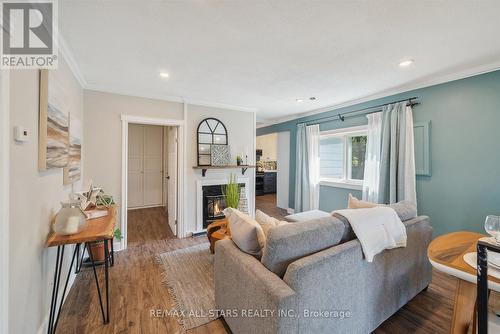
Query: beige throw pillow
[267, 222]
[245, 232]
[354, 203]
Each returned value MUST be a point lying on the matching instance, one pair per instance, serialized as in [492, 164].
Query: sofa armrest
[244, 285]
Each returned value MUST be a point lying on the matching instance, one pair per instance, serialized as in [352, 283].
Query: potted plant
[232, 192]
[239, 160]
[97, 247]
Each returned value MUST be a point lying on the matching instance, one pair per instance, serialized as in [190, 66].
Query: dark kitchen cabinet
[269, 182]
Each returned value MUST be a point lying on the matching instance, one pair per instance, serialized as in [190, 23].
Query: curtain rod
[341, 116]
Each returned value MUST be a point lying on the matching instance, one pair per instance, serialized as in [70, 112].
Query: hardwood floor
[136, 288]
[267, 204]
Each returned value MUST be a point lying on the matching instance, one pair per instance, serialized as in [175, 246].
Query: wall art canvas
[221, 155]
[53, 150]
[72, 172]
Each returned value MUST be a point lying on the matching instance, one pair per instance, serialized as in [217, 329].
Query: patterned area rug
[188, 275]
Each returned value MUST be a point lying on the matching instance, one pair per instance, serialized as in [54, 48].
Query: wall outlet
[21, 134]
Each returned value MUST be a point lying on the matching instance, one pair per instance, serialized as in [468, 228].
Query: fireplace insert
[214, 202]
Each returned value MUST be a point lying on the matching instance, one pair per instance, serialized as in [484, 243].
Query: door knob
[168, 177]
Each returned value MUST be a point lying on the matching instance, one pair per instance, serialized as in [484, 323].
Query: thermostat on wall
[21, 134]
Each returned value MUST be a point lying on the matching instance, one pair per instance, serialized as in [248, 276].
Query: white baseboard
[290, 211]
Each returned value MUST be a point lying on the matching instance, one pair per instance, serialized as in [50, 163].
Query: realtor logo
[29, 32]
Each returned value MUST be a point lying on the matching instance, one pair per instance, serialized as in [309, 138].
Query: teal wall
[464, 185]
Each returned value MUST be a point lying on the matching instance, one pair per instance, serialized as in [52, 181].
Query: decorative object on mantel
[70, 219]
[221, 155]
[239, 160]
[210, 132]
[205, 168]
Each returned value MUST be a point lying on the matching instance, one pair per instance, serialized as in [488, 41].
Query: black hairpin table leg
[106, 276]
[482, 289]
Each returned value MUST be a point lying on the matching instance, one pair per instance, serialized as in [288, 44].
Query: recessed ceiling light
[299, 100]
[164, 75]
[406, 62]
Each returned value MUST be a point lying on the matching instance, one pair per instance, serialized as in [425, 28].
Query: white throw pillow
[267, 222]
[245, 232]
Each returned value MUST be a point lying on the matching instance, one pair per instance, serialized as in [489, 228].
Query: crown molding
[417, 84]
[70, 60]
[170, 98]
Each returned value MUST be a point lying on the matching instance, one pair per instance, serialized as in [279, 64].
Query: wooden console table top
[95, 230]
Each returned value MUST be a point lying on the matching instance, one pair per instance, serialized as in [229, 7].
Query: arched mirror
[211, 132]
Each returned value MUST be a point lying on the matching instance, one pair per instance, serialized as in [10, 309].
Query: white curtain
[410, 188]
[307, 164]
[371, 183]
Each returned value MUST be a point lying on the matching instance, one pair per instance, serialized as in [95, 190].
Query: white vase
[70, 219]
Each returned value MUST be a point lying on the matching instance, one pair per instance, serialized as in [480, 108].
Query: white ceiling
[262, 55]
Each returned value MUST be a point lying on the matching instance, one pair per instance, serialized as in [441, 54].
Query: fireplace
[214, 202]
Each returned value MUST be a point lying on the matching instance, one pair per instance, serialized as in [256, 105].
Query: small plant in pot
[239, 160]
[232, 192]
[97, 248]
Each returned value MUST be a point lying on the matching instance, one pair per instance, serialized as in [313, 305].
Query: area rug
[188, 275]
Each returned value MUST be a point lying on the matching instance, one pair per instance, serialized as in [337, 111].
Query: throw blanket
[377, 229]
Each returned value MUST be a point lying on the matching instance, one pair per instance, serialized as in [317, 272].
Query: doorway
[152, 174]
[152, 182]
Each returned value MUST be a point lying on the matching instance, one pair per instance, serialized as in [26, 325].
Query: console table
[99, 229]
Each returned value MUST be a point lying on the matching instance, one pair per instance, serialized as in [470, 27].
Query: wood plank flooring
[136, 288]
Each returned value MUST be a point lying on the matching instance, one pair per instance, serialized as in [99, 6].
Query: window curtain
[371, 183]
[307, 163]
[390, 166]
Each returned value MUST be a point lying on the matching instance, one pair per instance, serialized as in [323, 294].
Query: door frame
[4, 199]
[130, 119]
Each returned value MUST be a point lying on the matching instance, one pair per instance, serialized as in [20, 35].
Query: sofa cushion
[290, 242]
[405, 209]
[245, 232]
[306, 216]
[267, 222]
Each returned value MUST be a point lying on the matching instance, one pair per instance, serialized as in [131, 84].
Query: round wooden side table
[446, 255]
[216, 231]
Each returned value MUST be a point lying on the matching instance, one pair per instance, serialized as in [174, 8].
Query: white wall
[240, 126]
[34, 200]
[103, 133]
[4, 200]
[269, 145]
[283, 158]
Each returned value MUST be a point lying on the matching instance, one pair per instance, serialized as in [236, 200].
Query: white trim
[341, 184]
[418, 84]
[70, 60]
[290, 211]
[215, 182]
[126, 120]
[170, 98]
[4, 199]
[146, 207]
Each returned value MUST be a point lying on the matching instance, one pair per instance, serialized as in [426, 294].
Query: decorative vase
[70, 219]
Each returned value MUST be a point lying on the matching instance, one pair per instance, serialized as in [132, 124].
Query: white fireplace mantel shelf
[205, 168]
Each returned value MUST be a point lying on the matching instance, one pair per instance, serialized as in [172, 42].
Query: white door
[172, 178]
[153, 165]
[135, 166]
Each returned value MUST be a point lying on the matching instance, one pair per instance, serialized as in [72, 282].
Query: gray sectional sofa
[312, 278]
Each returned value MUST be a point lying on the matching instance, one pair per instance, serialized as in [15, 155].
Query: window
[342, 157]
